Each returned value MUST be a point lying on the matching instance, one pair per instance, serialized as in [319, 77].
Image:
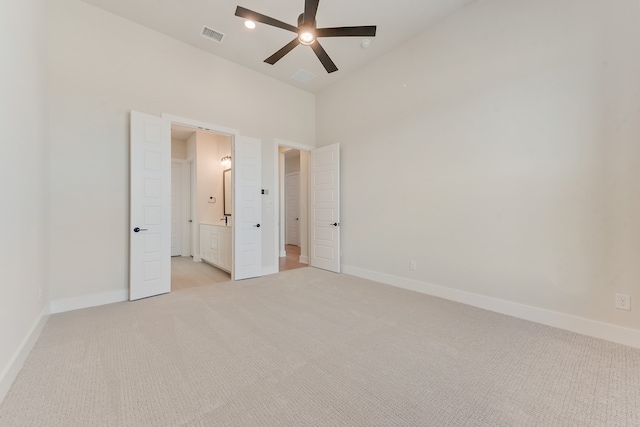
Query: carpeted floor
[312, 348]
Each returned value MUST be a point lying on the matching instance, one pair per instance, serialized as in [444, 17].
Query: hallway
[291, 261]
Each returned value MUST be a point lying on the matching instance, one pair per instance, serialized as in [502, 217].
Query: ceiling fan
[307, 32]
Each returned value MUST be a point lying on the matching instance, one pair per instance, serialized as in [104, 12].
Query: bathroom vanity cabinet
[215, 245]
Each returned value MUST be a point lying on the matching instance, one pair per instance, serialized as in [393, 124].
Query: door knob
[138, 229]
[335, 224]
[296, 219]
[257, 225]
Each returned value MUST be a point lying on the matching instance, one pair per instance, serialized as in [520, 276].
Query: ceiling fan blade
[363, 31]
[310, 9]
[323, 57]
[282, 52]
[258, 17]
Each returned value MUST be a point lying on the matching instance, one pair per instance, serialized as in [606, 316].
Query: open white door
[292, 208]
[150, 226]
[325, 208]
[177, 222]
[247, 207]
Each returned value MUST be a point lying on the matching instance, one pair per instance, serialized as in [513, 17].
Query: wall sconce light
[226, 162]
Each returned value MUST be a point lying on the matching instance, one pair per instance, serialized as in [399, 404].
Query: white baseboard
[605, 331]
[10, 372]
[305, 260]
[283, 253]
[68, 304]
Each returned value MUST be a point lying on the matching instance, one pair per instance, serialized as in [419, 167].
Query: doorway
[150, 206]
[293, 179]
[319, 204]
[197, 200]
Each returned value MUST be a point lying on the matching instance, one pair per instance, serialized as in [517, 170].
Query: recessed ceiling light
[250, 24]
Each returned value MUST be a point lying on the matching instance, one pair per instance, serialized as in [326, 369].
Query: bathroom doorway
[197, 196]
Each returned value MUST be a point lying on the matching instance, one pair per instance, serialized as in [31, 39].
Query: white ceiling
[396, 20]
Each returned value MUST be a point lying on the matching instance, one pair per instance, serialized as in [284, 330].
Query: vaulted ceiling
[184, 20]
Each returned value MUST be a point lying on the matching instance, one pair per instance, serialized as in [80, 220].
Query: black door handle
[138, 229]
[257, 225]
[335, 224]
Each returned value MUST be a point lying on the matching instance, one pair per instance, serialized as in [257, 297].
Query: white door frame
[278, 181]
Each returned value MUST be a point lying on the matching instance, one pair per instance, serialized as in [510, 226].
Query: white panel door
[247, 208]
[292, 208]
[150, 227]
[177, 222]
[325, 208]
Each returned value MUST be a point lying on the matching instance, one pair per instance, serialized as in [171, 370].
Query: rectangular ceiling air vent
[212, 34]
[303, 76]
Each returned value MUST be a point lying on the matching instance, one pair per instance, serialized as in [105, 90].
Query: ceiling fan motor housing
[301, 21]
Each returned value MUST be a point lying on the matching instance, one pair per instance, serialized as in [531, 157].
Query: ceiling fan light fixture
[250, 24]
[306, 37]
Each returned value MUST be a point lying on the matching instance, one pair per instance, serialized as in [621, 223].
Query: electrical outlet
[623, 302]
[412, 265]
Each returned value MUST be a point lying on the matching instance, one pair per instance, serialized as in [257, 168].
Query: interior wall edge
[580, 325]
[11, 370]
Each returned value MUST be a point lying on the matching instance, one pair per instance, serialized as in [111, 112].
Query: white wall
[292, 161]
[178, 149]
[101, 68]
[500, 150]
[208, 167]
[23, 183]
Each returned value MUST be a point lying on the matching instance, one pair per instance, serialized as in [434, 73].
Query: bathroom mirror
[226, 191]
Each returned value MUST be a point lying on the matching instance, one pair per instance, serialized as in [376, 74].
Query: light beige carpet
[312, 348]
